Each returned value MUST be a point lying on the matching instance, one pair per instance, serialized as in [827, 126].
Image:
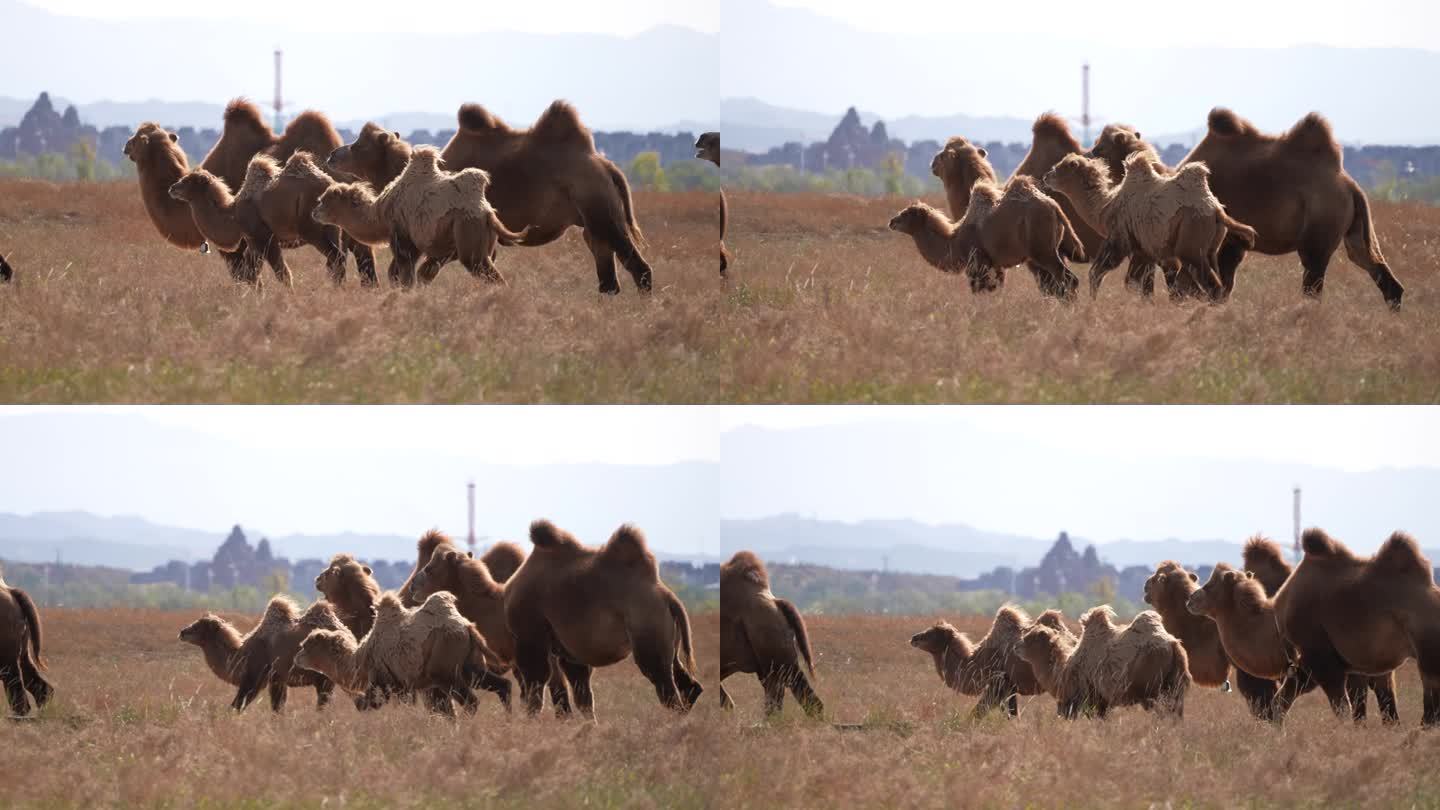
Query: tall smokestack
[1084, 101]
[279, 103]
[470, 502]
[1298, 553]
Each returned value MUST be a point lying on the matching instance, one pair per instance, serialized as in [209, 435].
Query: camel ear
[1249, 574]
[396, 133]
[982, 152]
[174, 137]
[368, 572]
[470, 554]
[1137, 134]
[1193, 577]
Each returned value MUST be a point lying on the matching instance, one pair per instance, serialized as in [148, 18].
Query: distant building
[237, 563]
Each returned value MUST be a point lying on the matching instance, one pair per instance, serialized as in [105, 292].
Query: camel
[707, 147]
[764, 635]
[160, 163]
[959, 165]
[212, 208]
[1001, 228]
[350, 586]
[431, 648]
[992, 669]
[1157, 214]
[1051, 140]
[21, 641]
[1168, 590]
[265, 655]
[425, 548]
[550, 177]
[1135, 664]
[594, 607]
[1345, 613]
[1263, 558]
[503, 559]
[1293, 189]
[480, 598]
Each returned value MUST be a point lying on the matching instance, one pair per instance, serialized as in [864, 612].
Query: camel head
[320, 651]
[442, 573]
[1046, 651]
[1219, 592]
[343, 568]
[203, 630]
[195, 185]
[1169, 583]
[913, 219]
[152, 141]
[961, 163]
[1075, 175]
[367, 157]
[940, 638]
[1115, 143]
[707, 147]
[342, 202]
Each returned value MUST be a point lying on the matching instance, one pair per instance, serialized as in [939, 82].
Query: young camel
[1112, 665]
[1000, 229]
[265, 655]
[1160, 217]
[992, 669]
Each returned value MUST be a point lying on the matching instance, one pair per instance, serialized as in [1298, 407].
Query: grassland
[918, 746]
[825, 305]
[138, 721]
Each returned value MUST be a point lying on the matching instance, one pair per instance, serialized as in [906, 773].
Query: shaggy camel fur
[425, 548]
[212, 209]
[707, 147]
[992, 669]
[550, 177]
[1236, 601]
[1263, 558]
[350, 586]
[959, 166]
[1158, 216]
[265, 655]
[1345, 613]
[594, 607]
[275, 208]
[1135, 664]
[1051, 140]
[1000, 229]
[159, 165]
[1294, 190]
[479, 598]
[1168, 591]
[763, 635]
[431, 648]
[503, 559]
[439, 212]
[21, 640]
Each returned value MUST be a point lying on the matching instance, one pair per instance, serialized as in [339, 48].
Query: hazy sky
[538, 16]
[1228, 23]
[1104, 473]
[379, 470]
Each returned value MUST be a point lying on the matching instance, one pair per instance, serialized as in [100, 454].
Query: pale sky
[625, 17]
[1228, 23]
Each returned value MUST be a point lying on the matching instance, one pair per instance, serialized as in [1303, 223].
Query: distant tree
[645, 169]
[892, 168]
[82, 158]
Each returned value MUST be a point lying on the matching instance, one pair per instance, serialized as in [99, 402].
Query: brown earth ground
[139, 721]
[915, 745]
[825, 305]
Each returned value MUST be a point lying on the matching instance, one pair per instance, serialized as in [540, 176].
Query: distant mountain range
[948, 549]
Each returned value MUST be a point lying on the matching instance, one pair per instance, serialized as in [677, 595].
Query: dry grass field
[919, 748]
[139, 721]
[826, 305]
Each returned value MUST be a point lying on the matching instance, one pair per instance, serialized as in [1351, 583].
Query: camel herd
[1338, 622]
[256, 195]
[1238, 190]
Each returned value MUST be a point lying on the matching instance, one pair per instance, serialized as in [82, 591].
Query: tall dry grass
[825, 305]
[139, 721]
[918, 746]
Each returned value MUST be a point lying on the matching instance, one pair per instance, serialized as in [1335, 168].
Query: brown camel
[1345, 613]
[1051, 140]
[1001, 228]
[1138, 664]
[993, 668]
[764, 635]
[707, 147]
[959, 165]
[594, 607]
[21, 640]
[1263, 558]
[479, 598]
[550, 177]
[1294, 191]
[350, 586]
[266, 654]
[425, 548]
[159, 165]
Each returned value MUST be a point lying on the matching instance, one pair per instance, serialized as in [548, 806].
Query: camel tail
[1360, 238]
[507, 237]
[32, 619]
[1240, 230]
[682, 622]
[482, 656]
[724, 214]
[623, 187]
[802, 638]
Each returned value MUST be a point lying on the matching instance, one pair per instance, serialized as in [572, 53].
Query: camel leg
[1259, 694]
[35, 683]
[1384, 688]
[324, 689]
[773, 681]
[431, 268]
[1390, 286]
[990, 697]
[1315, 258]
[532, 669]
[437, 700]
[364, 261]
[579, 677]
[1429, 665]
[250, 685]
[278, 692]
[559, 690]
[1053, 277]
[1107, 258]
[1355, 687]
[489, 681]
[327, 240]
[403, 255]
[805, 694]
[690, 689]
[1328, 670]
[657, 663]
[275, 257]
[241, 263]
[1140, 277]
[604, 264]
[726, 702]
[15, 691]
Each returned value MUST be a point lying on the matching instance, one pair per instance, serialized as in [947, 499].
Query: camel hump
[503, 559]
[1148, 622]
[746, 565]
[1400, 556]
[1052, 618]
[546, 535]
[1260, 550]
[1316, 543]
[1102, 616]
[311, 125]
[472, 184]
[242, 112]
[258, 175]
[1224, 121]
[560, 123]
[431, 540]
[322, 615]
[1313, 135]
[281, 610]
[1051, 125]
[475, 118]
[627, 546]
[1010, 621]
